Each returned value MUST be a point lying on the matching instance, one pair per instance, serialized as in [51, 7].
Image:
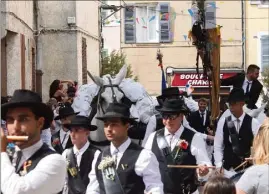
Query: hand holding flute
[7, 139]
[4, 141]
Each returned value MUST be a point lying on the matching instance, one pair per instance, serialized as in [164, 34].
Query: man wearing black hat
[155, 122]
[234, 135]
[80, 156]
[35, 168]
[61, 139]
[123, 167]
[178, 145]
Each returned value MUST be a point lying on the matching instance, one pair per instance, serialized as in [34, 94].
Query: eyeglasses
[170, 116]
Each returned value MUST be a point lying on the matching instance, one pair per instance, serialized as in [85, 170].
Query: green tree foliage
[114, 62]
[265, 81]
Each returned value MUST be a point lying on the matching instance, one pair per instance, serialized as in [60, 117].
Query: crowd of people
[181, 153]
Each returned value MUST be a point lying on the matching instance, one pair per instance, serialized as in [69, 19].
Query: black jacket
[58, 147]
[238, 81]
[196, 122]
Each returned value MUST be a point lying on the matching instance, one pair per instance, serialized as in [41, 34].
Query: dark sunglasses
[170, 116]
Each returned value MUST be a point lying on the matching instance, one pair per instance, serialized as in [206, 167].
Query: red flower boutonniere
[182, 145]
[55, 142]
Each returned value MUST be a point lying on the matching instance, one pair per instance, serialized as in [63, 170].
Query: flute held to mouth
[17, 138]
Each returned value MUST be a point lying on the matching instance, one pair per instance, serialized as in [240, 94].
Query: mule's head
[109, 86]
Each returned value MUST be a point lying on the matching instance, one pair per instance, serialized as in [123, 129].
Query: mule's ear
[121, 75]
[98, 81]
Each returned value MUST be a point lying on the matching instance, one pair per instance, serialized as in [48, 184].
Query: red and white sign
[182, 79]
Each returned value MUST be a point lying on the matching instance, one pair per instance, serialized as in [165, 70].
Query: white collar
[203, 112]
[240, 118]
[64, 132]
[246, 80]
[177, 133]
[29, 151]
[121, 148]
[82, 150]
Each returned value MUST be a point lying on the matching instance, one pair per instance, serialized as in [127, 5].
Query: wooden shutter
[3, 67]
[210, 15]
[84, 61]
[129, 24]
[165, 35]
[39, 84]
[22, 61]
[264, 52]
[264, 2]
[33, 70]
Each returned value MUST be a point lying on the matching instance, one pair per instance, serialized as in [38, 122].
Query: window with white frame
[264, 54]
[147, 23]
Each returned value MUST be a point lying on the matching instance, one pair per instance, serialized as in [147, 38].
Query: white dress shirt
[244, 86]
[146, 166]
[64, 136]
[218, 141]
[151, 127]
[205, 112]
[46, 178]
[78, 153]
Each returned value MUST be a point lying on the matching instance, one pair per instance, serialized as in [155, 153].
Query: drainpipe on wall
[101, 40]
[38, 47]
[243, 35]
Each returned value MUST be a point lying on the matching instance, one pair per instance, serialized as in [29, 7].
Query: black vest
[84, 168]
[37, 156]
[245, 142]
[176, 180]
[130, 181]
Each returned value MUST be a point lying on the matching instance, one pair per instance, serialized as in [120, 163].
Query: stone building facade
[52, 39]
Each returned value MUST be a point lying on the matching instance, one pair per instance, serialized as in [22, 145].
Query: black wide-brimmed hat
[65, 110]
[117, 110]
[237, 95]
[173, 106]
[81, 121]
[168, 92]
[27, 98]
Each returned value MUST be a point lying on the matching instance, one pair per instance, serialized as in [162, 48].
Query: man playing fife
[36, 168]
[79, 157]
[177, 145]
[123, 167]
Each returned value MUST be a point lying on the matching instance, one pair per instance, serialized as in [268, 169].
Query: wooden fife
[17, 138]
